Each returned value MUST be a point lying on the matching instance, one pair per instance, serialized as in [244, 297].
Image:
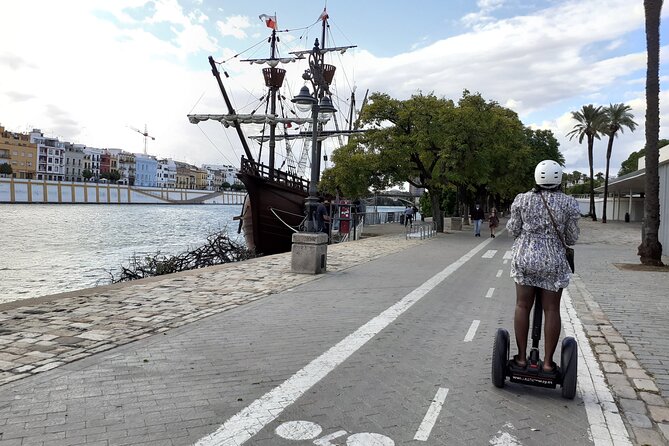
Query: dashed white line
[472, 331]
[508, 255]
[249, 421]
[489, 254]
[500, 272]
[433, 411]
[490, 293]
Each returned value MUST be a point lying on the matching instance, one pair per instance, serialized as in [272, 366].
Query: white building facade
[50, 157]
[166, 174]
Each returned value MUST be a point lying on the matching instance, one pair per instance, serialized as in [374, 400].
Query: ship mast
[231, 110]
[273, 88]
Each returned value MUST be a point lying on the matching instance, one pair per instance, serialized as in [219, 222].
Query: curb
[644, 411]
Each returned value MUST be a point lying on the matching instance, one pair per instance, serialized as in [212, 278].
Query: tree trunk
[593, 212]
[609, 149]
[437, 214]
[650, 250]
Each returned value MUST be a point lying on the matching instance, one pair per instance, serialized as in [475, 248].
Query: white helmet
[548, 173]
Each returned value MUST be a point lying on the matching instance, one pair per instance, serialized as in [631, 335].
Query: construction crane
[145, 134]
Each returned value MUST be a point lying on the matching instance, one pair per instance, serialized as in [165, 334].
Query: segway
[533, 373]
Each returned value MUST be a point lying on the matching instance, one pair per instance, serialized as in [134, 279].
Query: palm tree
[650, 249]
[590, 120]
[618, 117]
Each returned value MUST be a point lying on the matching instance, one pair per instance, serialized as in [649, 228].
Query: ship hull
[275, 208]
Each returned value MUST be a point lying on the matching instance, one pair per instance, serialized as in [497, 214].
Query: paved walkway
[625, 314]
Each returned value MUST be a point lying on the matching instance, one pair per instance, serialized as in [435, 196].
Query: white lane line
[500, 272]
[507, 255]
[472, 331]
[606, 425]
[489, 254]
[250, 420]
[490, 293]
[431, 416]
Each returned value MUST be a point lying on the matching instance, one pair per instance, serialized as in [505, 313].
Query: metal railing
[380, 218]
[421, 230]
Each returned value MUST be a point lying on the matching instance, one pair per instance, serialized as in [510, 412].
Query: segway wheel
[500, 357]
[569, 367]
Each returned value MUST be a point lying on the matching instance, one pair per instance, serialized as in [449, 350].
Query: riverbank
[44, 333]
[13, 190]
[49, 249]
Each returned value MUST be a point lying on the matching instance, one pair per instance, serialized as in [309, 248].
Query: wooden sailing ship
[275, 205]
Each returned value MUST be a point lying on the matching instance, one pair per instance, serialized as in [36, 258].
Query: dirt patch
[641, 267]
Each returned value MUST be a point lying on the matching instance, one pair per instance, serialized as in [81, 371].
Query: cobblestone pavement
[41, 334]
[625, 314]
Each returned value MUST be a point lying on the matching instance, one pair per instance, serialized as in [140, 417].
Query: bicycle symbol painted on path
[306, 430]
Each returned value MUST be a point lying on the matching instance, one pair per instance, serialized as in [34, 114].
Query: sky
[89, 71]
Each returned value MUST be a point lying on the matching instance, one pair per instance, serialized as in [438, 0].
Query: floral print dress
[538, 256]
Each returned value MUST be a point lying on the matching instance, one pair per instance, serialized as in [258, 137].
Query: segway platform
[533, 374]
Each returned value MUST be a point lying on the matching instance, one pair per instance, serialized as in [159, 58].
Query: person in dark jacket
[477, 217]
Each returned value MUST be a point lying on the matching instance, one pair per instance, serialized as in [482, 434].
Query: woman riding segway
[542, 221]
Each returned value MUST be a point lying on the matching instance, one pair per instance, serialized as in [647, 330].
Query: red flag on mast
[270, 20]
[324, 15]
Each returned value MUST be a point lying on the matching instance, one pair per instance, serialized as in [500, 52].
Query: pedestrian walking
[408, 216]
[493, 222]
[540, 220]
[477, 218]
[322, 216]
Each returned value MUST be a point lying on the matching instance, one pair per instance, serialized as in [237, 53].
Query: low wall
[13, 190]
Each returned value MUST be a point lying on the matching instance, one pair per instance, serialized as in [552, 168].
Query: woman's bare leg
[521, 320]
[550, 300]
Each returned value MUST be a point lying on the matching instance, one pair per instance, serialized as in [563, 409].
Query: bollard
[309, 252]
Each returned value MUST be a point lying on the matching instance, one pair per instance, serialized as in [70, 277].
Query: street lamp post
[320, 105]
[309, 252]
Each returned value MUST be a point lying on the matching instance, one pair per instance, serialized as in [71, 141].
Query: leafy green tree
[225, 185]
[590, 121]
[87, 174]
[618, 117]
[650, 249]
[6, 169]
[459, 153]
[631, 163]
[405, 141]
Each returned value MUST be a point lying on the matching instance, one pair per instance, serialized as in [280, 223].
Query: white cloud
[531, 63]
[482, 16]
[540, 65]
[234, 26]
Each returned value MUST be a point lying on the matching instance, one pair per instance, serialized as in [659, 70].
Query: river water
[48, 249]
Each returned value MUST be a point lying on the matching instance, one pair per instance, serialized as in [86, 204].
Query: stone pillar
[309, 253]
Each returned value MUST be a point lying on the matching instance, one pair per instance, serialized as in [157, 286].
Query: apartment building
[108, 161]
[92, 160]
[166, 175]
[50, 156]
[17, 151]
[74, 162]
[146, 169]
[227, 173]
[125, 165]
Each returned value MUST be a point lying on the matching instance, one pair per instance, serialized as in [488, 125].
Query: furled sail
[229, 119]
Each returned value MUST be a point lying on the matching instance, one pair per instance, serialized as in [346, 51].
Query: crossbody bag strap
[550, 214]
